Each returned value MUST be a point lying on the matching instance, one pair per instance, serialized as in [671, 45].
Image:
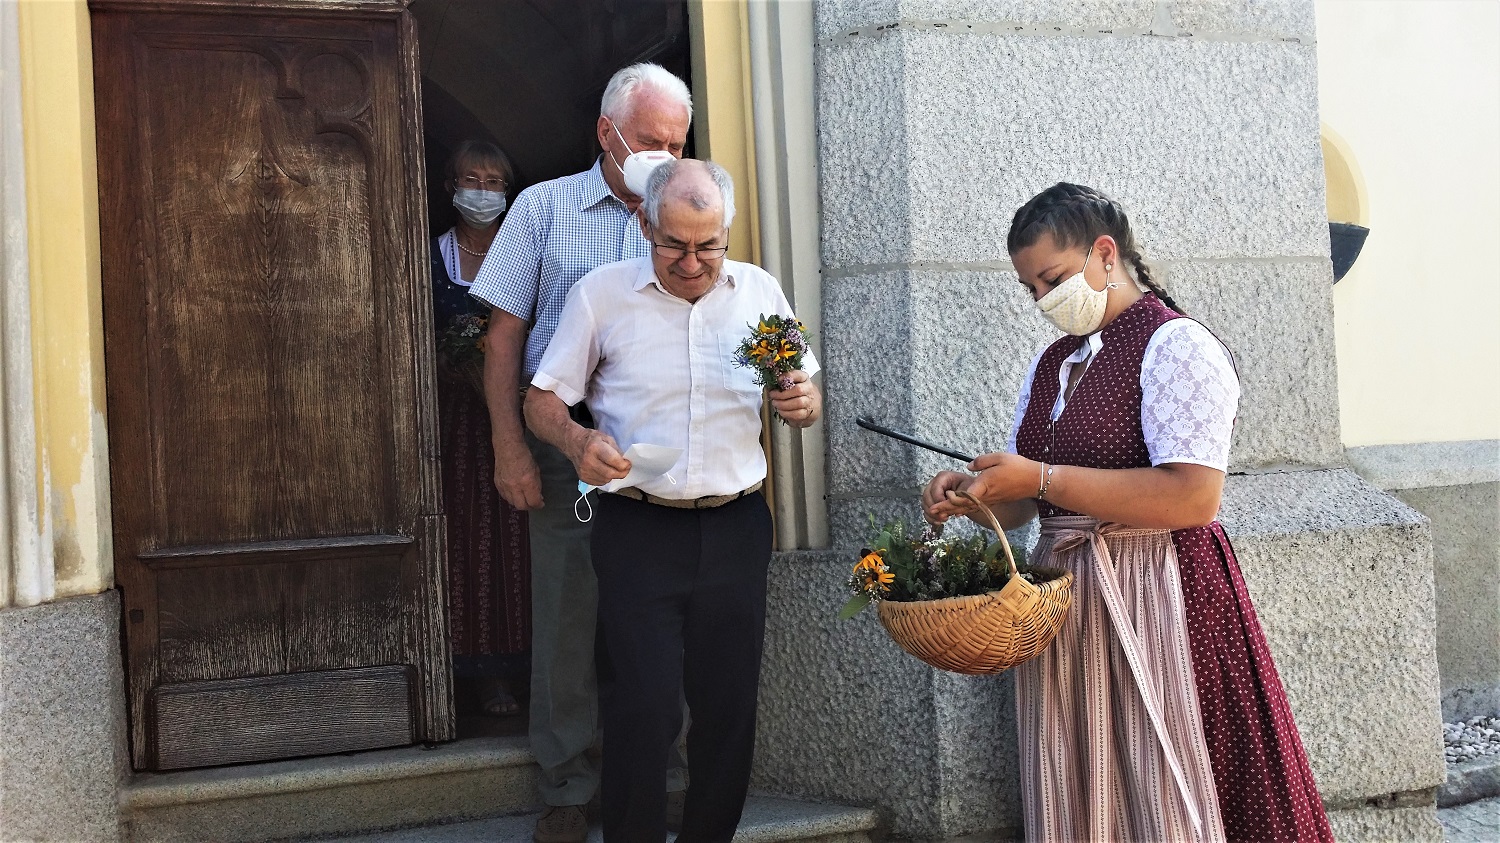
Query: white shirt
[659, 370]
[1189, 394]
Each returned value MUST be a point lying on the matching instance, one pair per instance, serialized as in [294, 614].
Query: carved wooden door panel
[272, 433]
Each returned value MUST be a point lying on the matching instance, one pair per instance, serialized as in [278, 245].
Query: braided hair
[1075, 216]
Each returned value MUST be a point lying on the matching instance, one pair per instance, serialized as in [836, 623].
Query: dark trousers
[682, 611]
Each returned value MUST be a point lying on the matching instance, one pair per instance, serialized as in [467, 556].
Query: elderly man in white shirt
[682, 558]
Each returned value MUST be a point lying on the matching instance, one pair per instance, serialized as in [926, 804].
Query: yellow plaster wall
[1411, 90]
[723, 127]
[62, 206]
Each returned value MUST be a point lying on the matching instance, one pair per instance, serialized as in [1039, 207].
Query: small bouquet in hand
[461, 347]
[774, 350]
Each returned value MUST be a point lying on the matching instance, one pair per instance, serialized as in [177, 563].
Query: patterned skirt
[489, 558]
[1157, 713]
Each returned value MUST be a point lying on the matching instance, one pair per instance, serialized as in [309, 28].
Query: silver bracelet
[1047, 470]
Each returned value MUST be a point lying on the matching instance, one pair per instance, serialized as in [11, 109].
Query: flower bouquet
[952, 603]
[460, 347]
[774, 350]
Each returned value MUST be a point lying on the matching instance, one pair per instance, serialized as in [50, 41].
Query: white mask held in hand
[479, 207]
[638, 165]
[647, 462]
[1075, 307]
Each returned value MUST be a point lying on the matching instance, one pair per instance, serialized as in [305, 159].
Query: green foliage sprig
[904, 567]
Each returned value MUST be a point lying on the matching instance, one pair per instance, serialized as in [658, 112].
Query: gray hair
[656, 187]
[619, 95]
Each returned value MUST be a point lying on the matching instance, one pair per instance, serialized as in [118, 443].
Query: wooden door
[267, 332]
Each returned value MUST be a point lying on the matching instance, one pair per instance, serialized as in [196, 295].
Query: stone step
[333, 795]
[1470, 781]
[766, 820]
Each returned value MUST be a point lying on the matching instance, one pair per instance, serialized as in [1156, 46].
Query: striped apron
[1111, 737]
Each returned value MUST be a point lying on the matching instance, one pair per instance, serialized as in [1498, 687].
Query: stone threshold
[767, 820]
[279, 778]
[472, 789]
[1470, 781]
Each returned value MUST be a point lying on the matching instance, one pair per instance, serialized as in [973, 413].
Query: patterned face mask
[1075, 307]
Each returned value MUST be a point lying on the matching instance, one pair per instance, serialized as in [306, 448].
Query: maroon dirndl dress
[1264, 786]
[489, 554]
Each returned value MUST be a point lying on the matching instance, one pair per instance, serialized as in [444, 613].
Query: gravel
[1466, 740]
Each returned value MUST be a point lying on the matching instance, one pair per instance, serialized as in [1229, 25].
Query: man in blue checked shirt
[556, 232]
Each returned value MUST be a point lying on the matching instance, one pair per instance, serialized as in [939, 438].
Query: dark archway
[528, 75]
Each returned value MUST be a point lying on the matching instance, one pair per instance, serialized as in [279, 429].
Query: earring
[1108, 267]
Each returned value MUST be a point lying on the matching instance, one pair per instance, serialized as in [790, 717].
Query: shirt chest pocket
[737, 379]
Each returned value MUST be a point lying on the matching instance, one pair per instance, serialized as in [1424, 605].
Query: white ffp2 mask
[638, 165]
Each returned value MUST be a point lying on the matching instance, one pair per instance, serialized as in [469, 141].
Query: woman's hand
[938, 491]
[1002, 479]
[1172, 496]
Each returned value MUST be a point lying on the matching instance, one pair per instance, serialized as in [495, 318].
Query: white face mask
[638, 165]
[1075, 307]
[479, 207]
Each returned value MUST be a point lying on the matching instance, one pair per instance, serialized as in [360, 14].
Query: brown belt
[707, 502]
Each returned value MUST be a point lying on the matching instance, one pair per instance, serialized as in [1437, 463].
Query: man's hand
[597, 458]
[516, 475]
[801, 405]
[517, 478]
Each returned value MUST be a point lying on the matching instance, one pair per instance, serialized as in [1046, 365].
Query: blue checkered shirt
[557, 232]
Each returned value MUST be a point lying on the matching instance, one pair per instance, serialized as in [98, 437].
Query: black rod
[867, 424]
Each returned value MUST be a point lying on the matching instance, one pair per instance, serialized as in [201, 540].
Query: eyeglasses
[475, 183]
[675, 253]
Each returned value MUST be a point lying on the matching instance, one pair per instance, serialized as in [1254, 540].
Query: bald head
[700, 185]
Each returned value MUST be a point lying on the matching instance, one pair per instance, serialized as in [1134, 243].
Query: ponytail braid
[1138, 264]
[1075, 216]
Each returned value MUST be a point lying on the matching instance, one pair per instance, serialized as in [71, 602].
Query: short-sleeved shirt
[556, 232]
[659, 370]
[1189, 394]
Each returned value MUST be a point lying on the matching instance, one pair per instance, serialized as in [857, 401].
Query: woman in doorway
[1157, 713]
[489, 566]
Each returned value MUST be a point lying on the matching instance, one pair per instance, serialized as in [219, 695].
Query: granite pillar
[936, 120]
[62, 721]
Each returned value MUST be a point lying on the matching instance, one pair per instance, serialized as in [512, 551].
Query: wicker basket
[984, 633]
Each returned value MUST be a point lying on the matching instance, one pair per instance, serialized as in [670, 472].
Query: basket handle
[994, 524]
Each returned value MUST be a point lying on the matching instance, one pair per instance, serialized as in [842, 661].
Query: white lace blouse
[1189, 394]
